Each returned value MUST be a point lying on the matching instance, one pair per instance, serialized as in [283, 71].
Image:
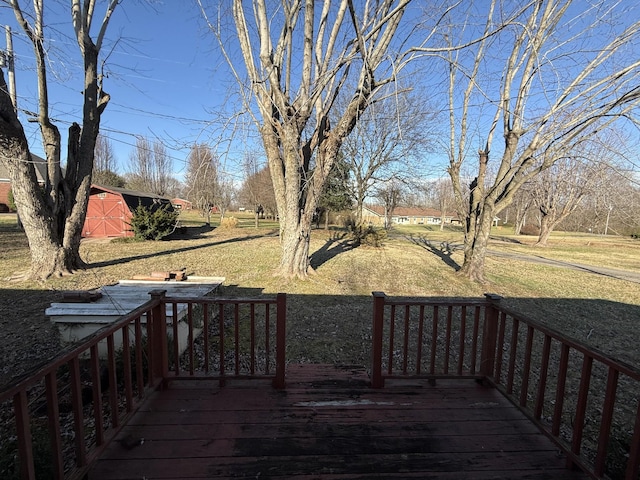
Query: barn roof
[134, 198]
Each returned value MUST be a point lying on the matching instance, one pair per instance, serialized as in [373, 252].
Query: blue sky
[164, 76]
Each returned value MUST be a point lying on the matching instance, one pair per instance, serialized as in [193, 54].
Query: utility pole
[8, 57]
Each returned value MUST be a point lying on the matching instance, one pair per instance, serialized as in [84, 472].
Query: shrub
[229, 222]
[368, 235]
[12, 201]
[530, 230]
[153, 224]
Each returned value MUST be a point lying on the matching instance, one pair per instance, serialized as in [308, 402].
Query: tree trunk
[47, 224]
[546, 227]
[475, 247]
[520, 222]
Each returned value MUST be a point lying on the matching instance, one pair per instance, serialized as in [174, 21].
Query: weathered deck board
[329, 424]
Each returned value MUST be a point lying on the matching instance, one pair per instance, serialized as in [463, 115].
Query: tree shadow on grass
[444, 251]
[119, 261]
[506, 239]
[336, 244]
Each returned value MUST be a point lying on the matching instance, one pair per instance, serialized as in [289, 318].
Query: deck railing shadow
[58, 419]
[585, 401]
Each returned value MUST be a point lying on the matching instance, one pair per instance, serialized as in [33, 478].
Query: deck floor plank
[329, 424]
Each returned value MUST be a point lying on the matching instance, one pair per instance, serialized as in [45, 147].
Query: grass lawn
[330, 313]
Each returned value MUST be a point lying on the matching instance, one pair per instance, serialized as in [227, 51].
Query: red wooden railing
[585, 401]
[58, 419]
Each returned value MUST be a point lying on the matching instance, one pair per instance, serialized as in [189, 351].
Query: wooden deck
[328, 423]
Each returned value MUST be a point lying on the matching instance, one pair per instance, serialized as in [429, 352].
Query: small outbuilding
[110, 210]
[181, 204]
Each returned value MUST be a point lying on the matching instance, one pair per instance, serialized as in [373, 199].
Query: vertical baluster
[252, 345]
[524, 388]
[113, 382]
[462, 337]
[405, 346]
[205, 334]
[500, 347]
[236, 337]
[97, 395]
[126, 361]
[560, 388]
[474, 339]
[633, 464]
[176, 333]
[542, 384]
[607, 420]
[221, 340]
[420, 339]
[78, 417]
[23, 430]
[281, 322]
[377, 329]
[447, 347]
[512, 355]
[267, 319]
[190, 339]
[581, 406]
[434, 341]
[53, 416]
[150, 353]
[139, 366]
[392, 324]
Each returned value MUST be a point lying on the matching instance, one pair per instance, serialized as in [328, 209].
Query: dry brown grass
[330, 313]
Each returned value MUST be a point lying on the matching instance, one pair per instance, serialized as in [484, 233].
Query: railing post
[159, 332]
[490, 334]
[281, 323]
[376, 339]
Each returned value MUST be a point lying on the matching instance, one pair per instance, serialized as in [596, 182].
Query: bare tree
[298, 56]
[390, 195]
[226, 194]
[257, 189]
[389, 140]
[521, 205]
[552, 79]
[201, 180]
[558, 191]
[53, 216]
[150, 167]
[105, 168]
[441, 193]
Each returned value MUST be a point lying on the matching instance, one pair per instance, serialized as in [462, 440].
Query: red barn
[110, 210]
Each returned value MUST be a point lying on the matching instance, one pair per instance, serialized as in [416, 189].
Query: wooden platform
[329, 424]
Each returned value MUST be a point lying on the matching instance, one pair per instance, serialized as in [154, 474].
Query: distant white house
[374, 215]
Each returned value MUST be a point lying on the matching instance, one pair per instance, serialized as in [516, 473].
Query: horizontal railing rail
[57, 420]
[585, 401]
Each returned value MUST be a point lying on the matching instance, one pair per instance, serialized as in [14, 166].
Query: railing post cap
[493, 297]
[158, 293]
[378, 294]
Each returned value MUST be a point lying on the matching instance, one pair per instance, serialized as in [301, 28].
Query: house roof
[39, 163]
[407, 211]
